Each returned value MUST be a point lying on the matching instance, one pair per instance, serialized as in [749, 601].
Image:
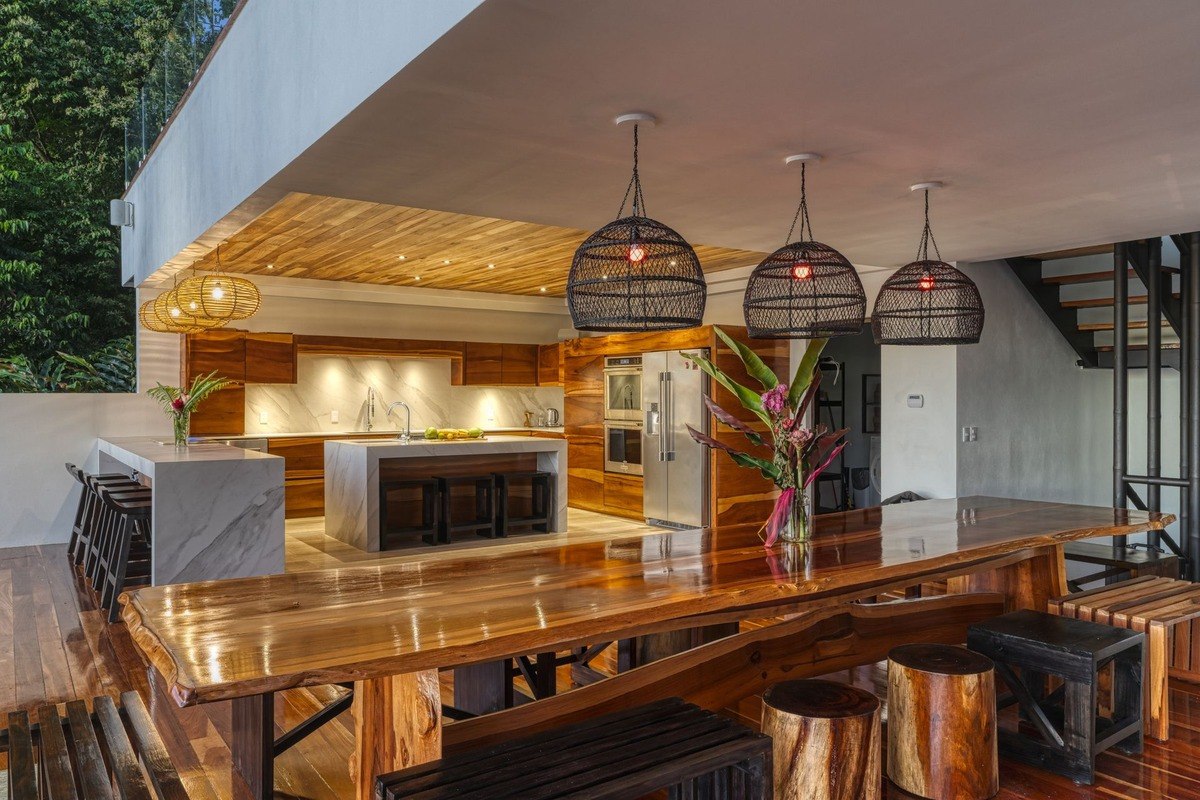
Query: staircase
[1077, 291]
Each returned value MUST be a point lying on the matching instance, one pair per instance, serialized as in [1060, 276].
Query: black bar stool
[427, 530]
[483, 522]
[98, 522]
[541, 501]
[125, 557]
[81, 530]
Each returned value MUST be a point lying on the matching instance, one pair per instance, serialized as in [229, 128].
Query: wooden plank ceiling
[330, 238]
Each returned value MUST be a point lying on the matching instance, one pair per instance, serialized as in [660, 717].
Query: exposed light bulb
[637, 254]
[218, 293]
[802, 271]
[925, 284]
[175, 312]
[192, 306]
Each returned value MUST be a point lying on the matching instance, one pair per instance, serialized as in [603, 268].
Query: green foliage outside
[69, 73]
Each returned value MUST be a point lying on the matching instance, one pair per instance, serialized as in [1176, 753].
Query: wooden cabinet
[270, 358]
[550, 365]
[623, 495]
[222, 351]
[495, 364]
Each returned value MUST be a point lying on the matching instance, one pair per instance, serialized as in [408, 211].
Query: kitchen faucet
[407, 433]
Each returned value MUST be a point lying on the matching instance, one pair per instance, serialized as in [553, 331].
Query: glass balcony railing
[184, 49]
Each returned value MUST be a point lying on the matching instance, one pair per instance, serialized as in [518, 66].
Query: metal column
[1191, 375]
[1154, 377]
[1120, 377]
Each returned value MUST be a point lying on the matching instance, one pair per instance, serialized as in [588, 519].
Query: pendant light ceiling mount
[805, 289]
[928, 301]
[635, 273]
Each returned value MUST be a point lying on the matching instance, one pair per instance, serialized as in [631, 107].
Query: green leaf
[804, 372]
[749, 398]
[754, 365]
[767, 468]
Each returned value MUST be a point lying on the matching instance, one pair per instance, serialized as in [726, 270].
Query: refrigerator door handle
[664, 415]
[669, 425]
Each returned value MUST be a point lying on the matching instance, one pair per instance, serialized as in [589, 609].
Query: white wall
[917, 446]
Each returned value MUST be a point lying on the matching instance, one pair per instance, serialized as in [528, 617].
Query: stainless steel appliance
[623, 388]
[675, 467]
[623, 447]
[553, 419]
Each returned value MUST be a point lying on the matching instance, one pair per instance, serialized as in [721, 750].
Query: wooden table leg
[1027, 584]
[254, 743]
[397, 723]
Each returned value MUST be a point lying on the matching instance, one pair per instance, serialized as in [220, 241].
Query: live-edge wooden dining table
[389, 628]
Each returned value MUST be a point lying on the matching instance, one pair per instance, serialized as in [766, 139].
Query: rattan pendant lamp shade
[635, 273]
[218, 295]
[168, 314]
[928, 302]
[805, 289]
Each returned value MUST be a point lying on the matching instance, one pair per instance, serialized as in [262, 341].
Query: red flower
[177, 404]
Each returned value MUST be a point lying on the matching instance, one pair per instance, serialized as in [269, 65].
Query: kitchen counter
[216, 512]
[351, 434]
[353, 468]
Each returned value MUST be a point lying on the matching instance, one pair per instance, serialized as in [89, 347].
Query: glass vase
[181, 422]
[797, 520]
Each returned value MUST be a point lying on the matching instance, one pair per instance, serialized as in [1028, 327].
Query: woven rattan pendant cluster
[805, 289]
[635, 273]
[201, 302]
[928, 301]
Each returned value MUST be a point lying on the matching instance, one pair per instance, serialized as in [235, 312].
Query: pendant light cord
[927, 237]
[635, 185]
[801, 210]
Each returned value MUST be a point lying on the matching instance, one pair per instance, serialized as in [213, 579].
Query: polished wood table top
[225, 639]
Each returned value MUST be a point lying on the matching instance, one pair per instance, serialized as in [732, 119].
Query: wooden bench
[84, 755]
[1168, 612]
[1130, 561]
[668, 744]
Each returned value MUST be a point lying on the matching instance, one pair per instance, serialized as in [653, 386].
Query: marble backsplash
[326, 384]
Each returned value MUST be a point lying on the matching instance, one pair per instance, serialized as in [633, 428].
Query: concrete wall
[285, 73]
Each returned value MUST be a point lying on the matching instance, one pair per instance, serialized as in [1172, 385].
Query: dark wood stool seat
[942, 693]
[125, 557]
[826, 740]
[483, 522]
[1066, 729]
[541, 501]
[85, 511]
[668, 744]
[392, 535]
[85, 755]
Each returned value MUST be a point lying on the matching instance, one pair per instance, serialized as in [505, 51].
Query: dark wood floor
[55, 646]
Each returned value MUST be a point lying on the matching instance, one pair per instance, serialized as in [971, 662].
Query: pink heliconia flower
[775, 400]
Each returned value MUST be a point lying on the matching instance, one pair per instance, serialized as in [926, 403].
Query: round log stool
[942, 722]
[826, 740]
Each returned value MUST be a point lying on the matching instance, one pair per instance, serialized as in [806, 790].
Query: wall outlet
[970, 434]
[333, 416]
[262, 418]
[916, 401]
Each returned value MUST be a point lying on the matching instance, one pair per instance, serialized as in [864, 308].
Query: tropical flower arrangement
[799, 453]
[179, 404]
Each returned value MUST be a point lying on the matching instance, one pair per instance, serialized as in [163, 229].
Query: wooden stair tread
[1134, 324]
[1108, 348]
[1107, 302]
[1083, 277]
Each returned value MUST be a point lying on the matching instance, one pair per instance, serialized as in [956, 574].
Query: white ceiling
[1053, 124]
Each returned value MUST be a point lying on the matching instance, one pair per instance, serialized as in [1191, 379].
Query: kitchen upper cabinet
[222, 351]
[550, 365]
[492, 364]
[270, 358]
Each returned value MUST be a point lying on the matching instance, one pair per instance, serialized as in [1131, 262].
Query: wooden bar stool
[85, 512]
[125, 560]
[101, 523]
[541, 501]
[392, 535]
[942, 722]
[483, 522]
[1067, 732]
[826, 739]
[1168, 612]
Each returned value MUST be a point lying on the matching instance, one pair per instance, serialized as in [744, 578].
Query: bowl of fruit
[452, 434]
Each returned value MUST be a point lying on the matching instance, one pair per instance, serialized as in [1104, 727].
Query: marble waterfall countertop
[352, 434]
[217, 510]
[352, 477]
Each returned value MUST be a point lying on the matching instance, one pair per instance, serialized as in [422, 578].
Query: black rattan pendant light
[805, 289]
[928, 301]
[635, 274]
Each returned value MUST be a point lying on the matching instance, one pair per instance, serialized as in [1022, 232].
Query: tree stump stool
[942, 722]
[826, 740]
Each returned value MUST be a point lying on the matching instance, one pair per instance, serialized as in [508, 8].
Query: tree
[69, 73]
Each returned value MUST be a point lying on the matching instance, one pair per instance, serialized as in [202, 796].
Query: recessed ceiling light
[270, 266]
[542, 289]
[445, 261]
[416, 277]
[400, 257]
[491, 266]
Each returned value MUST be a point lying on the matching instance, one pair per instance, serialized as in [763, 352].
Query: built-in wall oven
[623, 447]
[623, 388]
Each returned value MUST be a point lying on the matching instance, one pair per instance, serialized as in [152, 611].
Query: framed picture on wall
[872, 402]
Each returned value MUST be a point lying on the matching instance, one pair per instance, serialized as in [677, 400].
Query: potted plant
[799, 453]
[180, 404]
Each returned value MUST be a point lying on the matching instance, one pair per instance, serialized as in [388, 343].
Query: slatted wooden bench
[84, 755]
[1168, 612]
[668, 744]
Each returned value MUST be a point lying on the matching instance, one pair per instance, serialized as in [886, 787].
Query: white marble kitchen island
[352, 473]
[217, 510]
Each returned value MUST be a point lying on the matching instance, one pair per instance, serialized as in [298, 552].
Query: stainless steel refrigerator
[674, 466]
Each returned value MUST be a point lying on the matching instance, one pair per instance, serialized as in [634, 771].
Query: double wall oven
[623, 414]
